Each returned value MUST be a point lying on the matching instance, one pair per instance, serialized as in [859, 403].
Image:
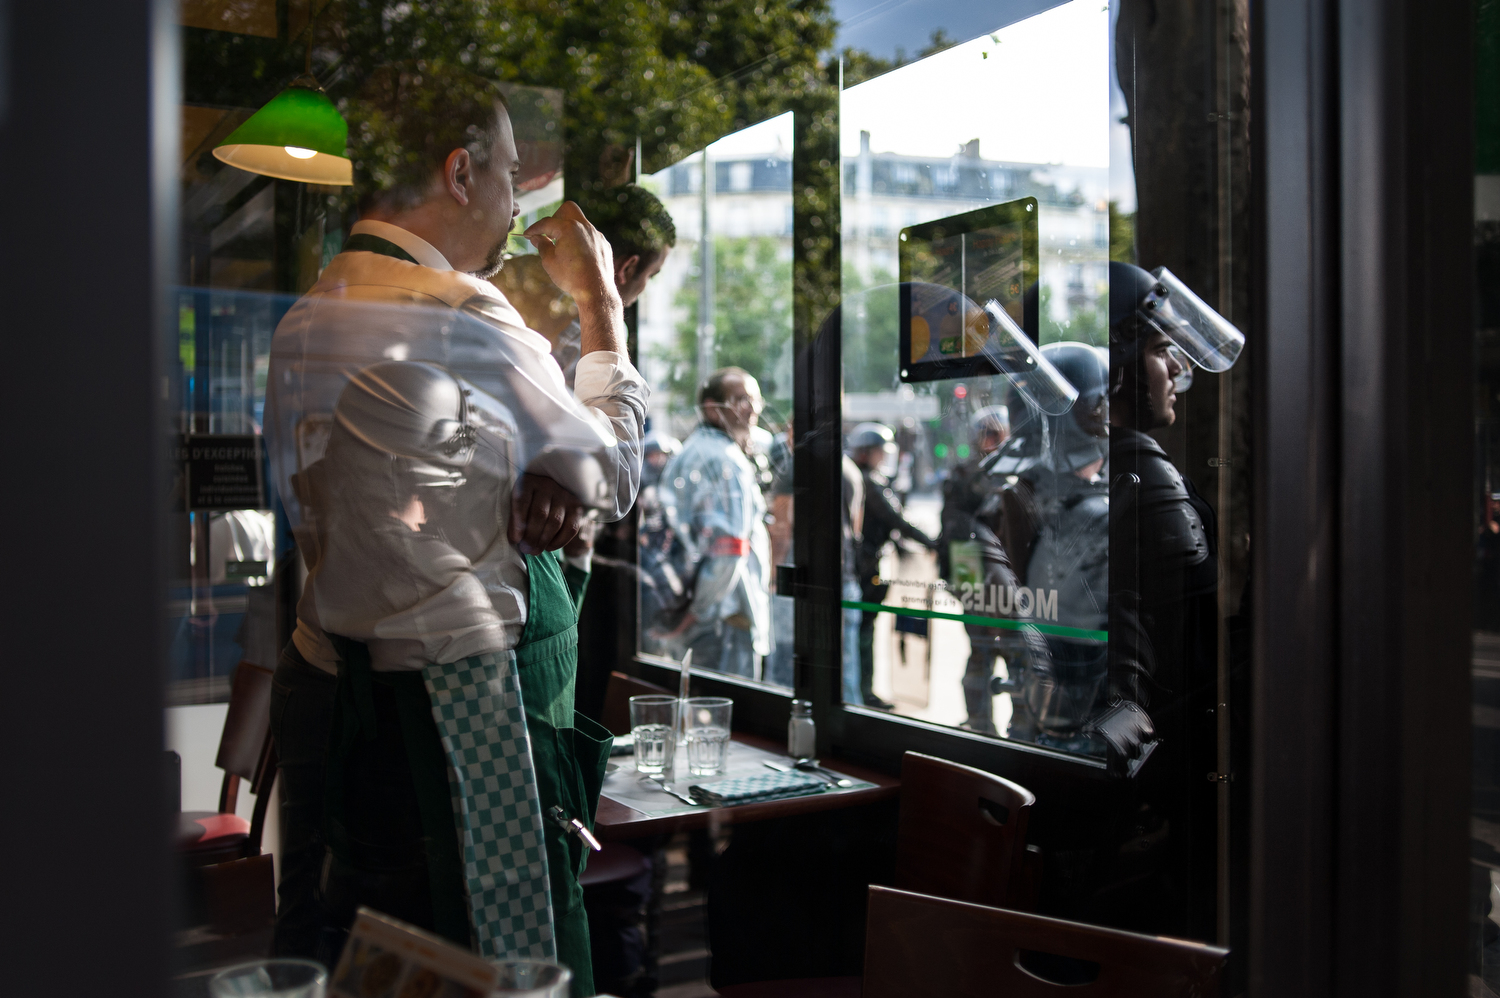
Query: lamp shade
[298, 135]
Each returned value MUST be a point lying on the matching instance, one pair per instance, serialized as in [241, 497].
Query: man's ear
[458, 175]
[625, 270]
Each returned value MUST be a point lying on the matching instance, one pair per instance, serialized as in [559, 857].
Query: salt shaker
[801, 735]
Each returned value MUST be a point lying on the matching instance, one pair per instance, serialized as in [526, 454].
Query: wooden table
[615, 821]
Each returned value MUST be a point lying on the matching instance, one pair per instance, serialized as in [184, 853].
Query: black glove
[1129, 734]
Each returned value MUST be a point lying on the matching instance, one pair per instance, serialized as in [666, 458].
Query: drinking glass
[707, 734]
[531, 979]
[271, 979]
[653, 722]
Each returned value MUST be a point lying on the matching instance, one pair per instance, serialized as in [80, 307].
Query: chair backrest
[962, 832]
[616, 713]
[247, 730]
[921, 945]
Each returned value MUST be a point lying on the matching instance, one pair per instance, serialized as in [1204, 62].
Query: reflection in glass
[924, 151]
[716, 344]
[221, 609]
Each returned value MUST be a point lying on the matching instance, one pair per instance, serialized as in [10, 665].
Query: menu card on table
[387, 958]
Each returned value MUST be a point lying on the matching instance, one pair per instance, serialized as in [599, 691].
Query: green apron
[568, 750]
[482, 767]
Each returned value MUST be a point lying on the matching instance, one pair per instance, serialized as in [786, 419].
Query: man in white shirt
[468, 441]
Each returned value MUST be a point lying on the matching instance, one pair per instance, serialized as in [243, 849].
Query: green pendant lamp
[299, 135]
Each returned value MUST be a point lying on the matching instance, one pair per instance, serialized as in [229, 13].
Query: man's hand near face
[544, 516]
[580, 262]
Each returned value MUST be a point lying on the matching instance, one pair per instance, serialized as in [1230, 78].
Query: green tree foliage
[752, 321]
[1082, 324]
[1121, 234]
[676, 73]
[872, 332]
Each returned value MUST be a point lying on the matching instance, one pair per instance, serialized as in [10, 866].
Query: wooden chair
[245, 754]
[616, 713]
[962, 834]
[921, 945]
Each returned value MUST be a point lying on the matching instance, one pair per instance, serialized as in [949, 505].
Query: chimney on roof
[970, 149]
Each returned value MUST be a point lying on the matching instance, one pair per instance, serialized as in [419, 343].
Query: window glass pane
[399, 352]
[1013, 208]
[225, 539]
[1044, 246]
[429, 250]
[715, 509]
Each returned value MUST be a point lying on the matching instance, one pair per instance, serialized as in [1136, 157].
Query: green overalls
[464, 743]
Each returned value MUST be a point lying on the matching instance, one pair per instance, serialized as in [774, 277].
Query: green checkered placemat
[761, 786]
[476, 703]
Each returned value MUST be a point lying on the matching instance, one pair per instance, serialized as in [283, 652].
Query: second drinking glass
[707, 723]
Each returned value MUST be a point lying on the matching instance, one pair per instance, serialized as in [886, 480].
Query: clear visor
[890, 461]
[1013, 354]
[1207, 338]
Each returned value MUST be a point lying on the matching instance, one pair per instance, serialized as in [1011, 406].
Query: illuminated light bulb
[297, 152]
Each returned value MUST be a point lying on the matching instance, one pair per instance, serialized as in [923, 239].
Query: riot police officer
[659, 448]
[1163, 609]
[965, 491]
[872, 446]
[1051, 519]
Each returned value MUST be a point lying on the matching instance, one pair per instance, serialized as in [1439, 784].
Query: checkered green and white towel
[760, 787]
[476, 703]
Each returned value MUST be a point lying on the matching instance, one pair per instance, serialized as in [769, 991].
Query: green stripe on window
[1056, 630]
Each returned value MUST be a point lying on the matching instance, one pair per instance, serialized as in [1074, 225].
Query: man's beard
[493, 263]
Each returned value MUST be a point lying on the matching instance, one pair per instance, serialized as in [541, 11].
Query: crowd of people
[1084, 563]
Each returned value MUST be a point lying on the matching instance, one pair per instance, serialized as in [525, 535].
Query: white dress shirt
[368, 307]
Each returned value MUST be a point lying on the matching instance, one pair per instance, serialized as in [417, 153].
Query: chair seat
[615, 863]
[207, 829]
[803, 987]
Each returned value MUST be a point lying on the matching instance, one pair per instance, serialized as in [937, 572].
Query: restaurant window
[1008, 524]
[714, 522]
[1044, 399]
[1026, 183]
[226, 540]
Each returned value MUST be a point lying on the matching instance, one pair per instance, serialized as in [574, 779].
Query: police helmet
[414, 412]
[660, 443]
[867, 435]
[990, 419]
[1080, 436]
[1142, 302]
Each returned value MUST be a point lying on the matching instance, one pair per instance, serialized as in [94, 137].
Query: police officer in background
[966, 487]
[872, 446]
[659, 449]
[1053, 522]
[965, 490]
[1163, 618]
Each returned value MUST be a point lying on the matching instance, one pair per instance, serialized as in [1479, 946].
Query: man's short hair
[406, 122]
[634, 221]
[713, 389]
